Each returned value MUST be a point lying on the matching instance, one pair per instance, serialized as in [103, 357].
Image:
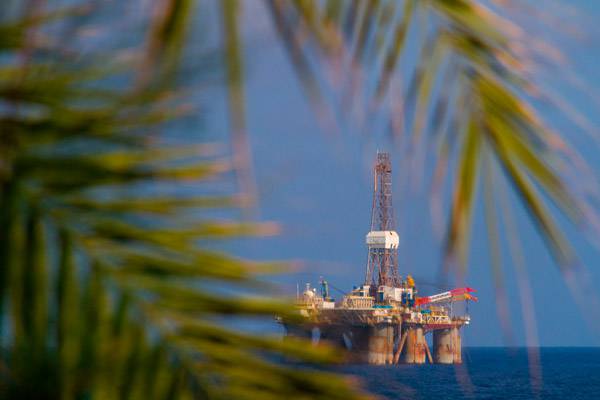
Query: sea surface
[492, 373]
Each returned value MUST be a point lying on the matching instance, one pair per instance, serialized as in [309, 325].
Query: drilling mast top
[382, 240]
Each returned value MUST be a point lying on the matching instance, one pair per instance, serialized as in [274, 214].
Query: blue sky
[318, 187]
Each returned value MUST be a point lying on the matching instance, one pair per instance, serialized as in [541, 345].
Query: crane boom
[446, 297]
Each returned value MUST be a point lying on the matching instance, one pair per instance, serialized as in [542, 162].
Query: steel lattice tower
[382, 240]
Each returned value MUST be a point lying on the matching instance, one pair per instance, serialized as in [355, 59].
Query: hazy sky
[317, 185]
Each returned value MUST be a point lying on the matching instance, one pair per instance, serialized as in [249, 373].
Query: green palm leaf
[112, 285]
[460, 44]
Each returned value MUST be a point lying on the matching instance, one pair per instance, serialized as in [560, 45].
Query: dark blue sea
[492, 373]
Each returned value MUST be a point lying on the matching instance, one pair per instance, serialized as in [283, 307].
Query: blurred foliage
[453, 82]
[109, 287]
[457, 89]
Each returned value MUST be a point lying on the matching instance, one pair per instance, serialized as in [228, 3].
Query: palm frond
[111, 286]
[466, 46]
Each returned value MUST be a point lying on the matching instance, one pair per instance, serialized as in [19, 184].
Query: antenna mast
[382, 240]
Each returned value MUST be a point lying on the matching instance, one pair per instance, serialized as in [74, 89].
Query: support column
[389, 344]
[443, 346]
[447, 346]
[359, 338]
[381, 344]
[414, 348]
[401, 344]
[457, 345]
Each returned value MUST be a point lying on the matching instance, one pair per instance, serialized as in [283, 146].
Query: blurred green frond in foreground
[457, 85]
[109, 286]
[466, 95]
[105, 268]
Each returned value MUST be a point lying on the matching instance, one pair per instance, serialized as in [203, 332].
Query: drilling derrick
[383, 321]
[382, 240]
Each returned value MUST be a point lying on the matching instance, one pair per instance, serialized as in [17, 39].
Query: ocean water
[492, 373]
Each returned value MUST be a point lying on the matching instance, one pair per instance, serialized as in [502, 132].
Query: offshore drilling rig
[383, 321]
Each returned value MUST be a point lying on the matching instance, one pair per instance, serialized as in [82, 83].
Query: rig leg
[447, 346]
[443, 346]
[414, 349]
[359, 337]
[390, 340]
[400, 347]
[457, 346]
[428, 352]
[381, 344]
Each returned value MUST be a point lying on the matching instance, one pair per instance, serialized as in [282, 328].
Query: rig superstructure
[383, 321]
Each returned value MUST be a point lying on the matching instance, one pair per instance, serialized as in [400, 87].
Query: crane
[447, 297]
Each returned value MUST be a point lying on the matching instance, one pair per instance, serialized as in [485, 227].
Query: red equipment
[446, 297]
